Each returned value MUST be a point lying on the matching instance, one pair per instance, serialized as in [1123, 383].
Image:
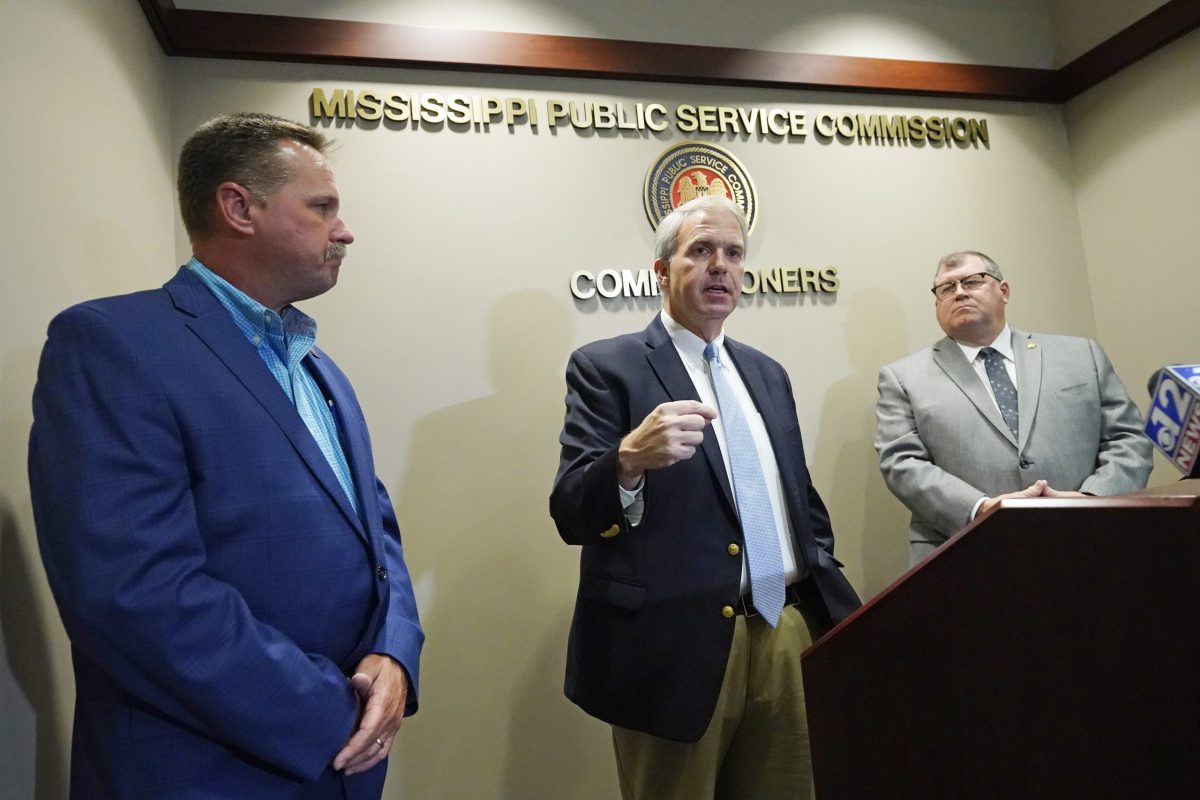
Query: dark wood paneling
[156, 14]
[1156, 29]
[276, 38]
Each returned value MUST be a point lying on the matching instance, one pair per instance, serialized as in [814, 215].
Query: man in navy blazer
[227, 565]
[704, 694]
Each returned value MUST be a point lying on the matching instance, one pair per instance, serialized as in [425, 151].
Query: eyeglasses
[971, 283]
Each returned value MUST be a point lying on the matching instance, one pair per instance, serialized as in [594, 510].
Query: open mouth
[717, 289]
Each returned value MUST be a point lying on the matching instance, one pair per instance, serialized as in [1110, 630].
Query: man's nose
[343, 235]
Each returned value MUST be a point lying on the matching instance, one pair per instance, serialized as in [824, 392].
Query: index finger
[364, 743]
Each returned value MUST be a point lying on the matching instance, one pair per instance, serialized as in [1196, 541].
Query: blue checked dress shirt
[282, 341]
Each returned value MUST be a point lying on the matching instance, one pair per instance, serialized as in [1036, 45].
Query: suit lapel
[1028, 356]
[948, 356]
[353, 436]
[666, 364]
[212, 324]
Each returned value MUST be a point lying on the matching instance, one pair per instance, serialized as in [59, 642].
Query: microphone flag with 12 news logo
[1173, 419]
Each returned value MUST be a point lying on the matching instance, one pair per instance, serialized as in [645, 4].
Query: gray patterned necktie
[753, 502]
[1002, 387]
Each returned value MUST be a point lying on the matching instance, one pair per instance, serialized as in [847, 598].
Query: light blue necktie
[753, 502]
[1002, 386]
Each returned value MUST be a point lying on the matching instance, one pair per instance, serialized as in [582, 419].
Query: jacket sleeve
[1123, 461]
[401, 636]
[120, 537]
[929, 491]
[586, 501]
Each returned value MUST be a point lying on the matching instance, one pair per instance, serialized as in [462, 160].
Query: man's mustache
[337, 251]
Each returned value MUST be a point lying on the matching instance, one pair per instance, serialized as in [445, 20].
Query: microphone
[1173, 419]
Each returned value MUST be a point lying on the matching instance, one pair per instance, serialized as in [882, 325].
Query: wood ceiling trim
[1157, 29]
[210, 34]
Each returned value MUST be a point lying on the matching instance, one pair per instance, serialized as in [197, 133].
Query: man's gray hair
[666, 237]
[956, 259]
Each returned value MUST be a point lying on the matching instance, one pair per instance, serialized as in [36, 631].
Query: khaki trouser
[755, 748]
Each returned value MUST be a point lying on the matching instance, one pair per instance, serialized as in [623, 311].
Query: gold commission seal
[696, 169]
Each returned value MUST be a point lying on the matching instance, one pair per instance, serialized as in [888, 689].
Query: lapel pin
[1032, 345]
[611, 532]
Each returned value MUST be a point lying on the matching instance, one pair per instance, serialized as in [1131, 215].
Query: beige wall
[86, 210]
[1137, 177]
[454, 320]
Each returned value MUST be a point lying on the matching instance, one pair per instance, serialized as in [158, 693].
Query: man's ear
[234, 203]
[661, 269]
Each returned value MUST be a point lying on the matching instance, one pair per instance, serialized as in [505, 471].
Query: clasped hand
[1039, 488]
[382, 687]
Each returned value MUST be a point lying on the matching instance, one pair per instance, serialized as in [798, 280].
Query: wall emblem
[696, 169]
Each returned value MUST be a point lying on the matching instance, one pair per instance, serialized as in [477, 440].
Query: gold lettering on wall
[612, 283]
[463, 112]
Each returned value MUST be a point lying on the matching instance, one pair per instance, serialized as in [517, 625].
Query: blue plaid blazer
[215, 583]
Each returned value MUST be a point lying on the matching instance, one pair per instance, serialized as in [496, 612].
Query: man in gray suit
[990, 412]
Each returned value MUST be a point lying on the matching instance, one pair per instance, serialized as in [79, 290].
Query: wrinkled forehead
[716, 225]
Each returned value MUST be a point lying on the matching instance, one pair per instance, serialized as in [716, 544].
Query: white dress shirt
[690, 348]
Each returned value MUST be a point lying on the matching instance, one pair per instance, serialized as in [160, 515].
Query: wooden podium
[1049, 650]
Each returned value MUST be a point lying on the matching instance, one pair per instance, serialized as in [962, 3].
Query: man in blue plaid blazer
[227, 565]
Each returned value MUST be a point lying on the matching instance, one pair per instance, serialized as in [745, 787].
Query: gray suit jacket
[943, 445]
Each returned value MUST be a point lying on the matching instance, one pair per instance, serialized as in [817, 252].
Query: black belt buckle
[745, 606]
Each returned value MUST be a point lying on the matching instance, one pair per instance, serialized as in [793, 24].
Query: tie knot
[989, 353]
[710, 353]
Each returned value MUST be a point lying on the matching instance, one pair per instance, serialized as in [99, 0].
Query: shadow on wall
[858, 499]
[33, 752]
[495, 583]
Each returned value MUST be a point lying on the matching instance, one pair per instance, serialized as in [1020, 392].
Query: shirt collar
[252, 313]
[690, 346]
[1002, 344]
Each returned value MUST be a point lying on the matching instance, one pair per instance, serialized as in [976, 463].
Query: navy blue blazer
[214, 580]
[648, 642]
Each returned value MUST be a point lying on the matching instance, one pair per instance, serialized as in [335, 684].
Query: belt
[744, 607]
